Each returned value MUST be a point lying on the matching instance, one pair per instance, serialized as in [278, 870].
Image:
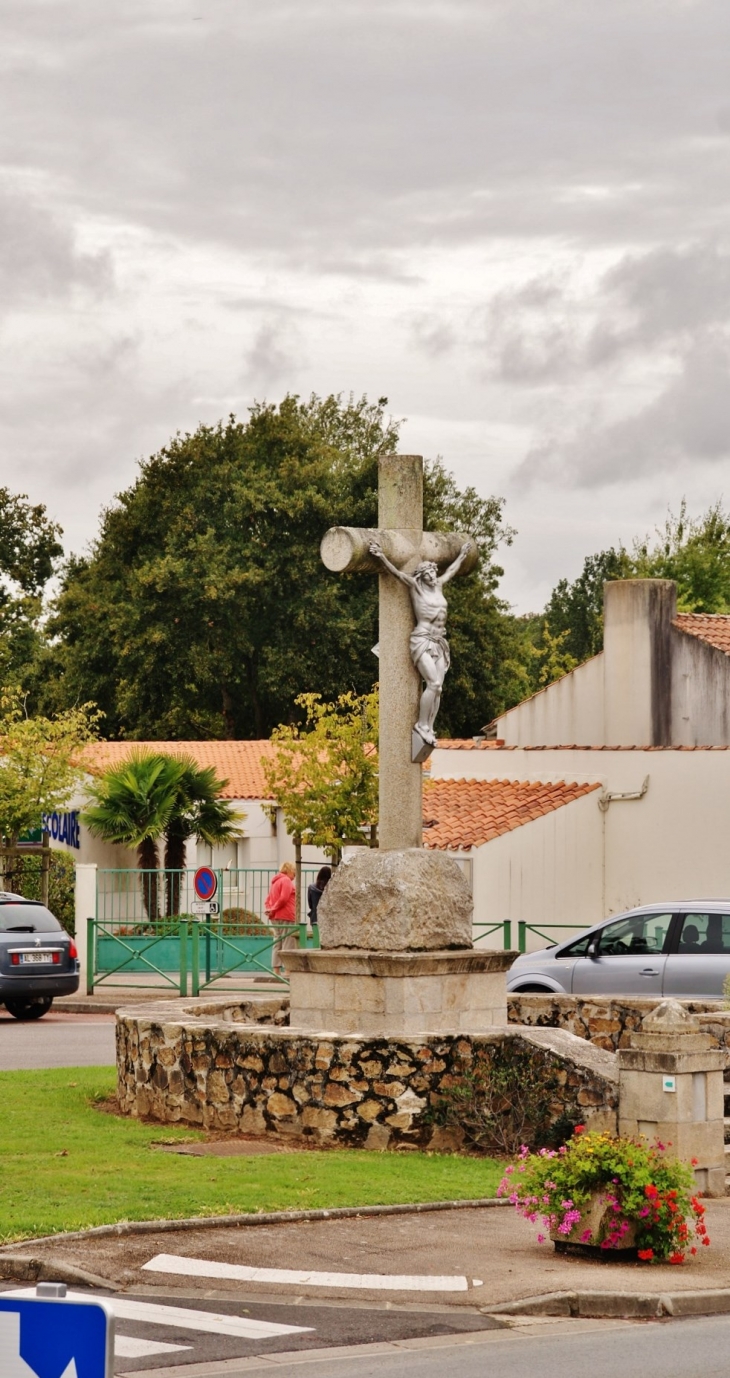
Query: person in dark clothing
[315, 892]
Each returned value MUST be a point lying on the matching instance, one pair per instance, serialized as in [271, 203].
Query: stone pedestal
[396, 954]
[671, 1089]
[343, 990]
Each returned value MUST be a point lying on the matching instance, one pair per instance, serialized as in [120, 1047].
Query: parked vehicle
[680, 949]
[38, 959]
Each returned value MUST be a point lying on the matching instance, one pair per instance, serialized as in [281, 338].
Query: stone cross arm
[346, 549]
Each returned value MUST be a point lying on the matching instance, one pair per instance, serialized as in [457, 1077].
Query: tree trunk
[228, 714]
[148, 862]
[174, 867]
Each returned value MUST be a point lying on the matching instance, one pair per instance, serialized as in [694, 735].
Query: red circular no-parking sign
[205, 882]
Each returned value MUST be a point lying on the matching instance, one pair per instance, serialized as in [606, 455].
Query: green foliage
[112, 1170]
[693, 551]
[27, 881]
[324, 776]
[501, 1101]
[204, 609]
[40, 763]
[29, 550]
[575, 611]
[641, 1186]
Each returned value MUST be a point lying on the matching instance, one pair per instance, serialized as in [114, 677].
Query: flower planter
[596, 1218]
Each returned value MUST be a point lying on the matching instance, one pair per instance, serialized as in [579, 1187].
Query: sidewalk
[107, 1000]
[484, 1258]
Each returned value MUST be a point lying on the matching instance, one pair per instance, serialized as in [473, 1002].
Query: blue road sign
[205, 882]
[55, 1339]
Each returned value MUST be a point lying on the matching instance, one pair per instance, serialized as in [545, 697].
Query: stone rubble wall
[185, 1067]
[609, 1022]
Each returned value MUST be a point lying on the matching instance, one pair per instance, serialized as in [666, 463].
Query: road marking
[237, 1272]
[129, 1347]
[182, 1318]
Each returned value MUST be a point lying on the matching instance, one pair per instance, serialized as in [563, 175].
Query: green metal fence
[148, 932]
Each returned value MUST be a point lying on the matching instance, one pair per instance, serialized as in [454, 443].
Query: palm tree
[132, 805]
[199, 812]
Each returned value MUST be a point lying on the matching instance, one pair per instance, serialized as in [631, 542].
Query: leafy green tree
[40, 762]
[201, 813]
[132, 805]
[29, 551]
[576, 609]
[324, 776]
[695, 552]
[204, 609]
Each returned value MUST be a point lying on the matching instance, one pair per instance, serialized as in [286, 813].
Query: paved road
[568, 1349]
[56, 1040]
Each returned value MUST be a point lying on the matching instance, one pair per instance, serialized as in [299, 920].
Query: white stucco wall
[669, 845]
[700, 692]
[570, 710]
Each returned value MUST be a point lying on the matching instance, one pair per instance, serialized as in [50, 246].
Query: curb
[22, 1268]
[617, 1305]
[213, 1222]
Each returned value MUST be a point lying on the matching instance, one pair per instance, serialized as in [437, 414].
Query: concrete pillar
[84, 908]
[400, 508]
[671, 1089]
[638, 614]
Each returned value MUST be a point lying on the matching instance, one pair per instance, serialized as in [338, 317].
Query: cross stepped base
[346, 990]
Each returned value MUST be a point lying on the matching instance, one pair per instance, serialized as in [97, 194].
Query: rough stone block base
[348, 991]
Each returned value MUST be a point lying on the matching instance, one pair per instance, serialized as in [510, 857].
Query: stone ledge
[347, 961]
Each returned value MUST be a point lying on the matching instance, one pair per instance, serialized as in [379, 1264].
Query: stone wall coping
[563, 1043]
[348, 961]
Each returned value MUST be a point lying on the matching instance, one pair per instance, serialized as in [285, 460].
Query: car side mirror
[592, 949]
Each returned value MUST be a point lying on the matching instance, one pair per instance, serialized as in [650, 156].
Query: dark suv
[38, 959]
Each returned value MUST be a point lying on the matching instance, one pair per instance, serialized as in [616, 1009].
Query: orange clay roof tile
[460, 814]
[237, 762]
[711, 627]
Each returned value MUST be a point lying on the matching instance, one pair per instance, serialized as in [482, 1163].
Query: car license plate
[33, 958]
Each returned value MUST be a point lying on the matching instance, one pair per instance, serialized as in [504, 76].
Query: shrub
[502, 1101]
[640, 1185]
[27, 882]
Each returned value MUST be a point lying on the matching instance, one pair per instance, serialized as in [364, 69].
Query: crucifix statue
[413, 566]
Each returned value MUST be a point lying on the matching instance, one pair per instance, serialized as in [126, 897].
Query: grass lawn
[67, 1165]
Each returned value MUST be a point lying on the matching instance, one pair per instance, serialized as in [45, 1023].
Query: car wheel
[29, 1009]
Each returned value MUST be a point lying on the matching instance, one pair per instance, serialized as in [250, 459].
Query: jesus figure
[428, 645]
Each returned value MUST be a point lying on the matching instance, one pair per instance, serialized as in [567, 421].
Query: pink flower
[541, 1239]
[586, 1235]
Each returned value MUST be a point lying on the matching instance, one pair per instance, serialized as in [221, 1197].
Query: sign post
[205, 884]
[52, 1336]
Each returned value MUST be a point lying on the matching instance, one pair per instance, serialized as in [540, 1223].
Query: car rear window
[27, 916]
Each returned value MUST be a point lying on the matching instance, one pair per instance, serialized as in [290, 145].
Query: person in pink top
[280, 907]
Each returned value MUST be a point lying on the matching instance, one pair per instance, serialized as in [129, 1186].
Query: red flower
[646, 1254]
[693, 1250]
[579, 1129]
[651, 1192]
[694, 1161]
[676, 1258]
[706, 1240]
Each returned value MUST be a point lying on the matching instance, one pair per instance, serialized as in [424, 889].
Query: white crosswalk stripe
[183, 1318]
[299, 1277]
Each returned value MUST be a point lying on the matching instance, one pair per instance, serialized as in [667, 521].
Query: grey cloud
[40, 258]
[688, 422]
[275, 355]
[319, 130]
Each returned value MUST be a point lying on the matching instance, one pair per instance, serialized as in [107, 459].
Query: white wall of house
[584, 861]
[652, 685]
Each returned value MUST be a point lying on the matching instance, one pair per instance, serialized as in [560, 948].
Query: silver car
[680, 949]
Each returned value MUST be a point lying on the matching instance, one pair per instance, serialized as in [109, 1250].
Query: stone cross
[401, 535]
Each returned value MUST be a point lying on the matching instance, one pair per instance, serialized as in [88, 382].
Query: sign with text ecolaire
[63, 827]
[55, 1339]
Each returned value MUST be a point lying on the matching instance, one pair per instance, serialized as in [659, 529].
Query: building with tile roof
[662, 679]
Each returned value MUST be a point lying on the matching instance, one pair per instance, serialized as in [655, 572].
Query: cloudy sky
[511, 218]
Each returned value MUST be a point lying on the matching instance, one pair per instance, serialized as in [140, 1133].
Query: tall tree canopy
[203, 609]
[29, 551]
